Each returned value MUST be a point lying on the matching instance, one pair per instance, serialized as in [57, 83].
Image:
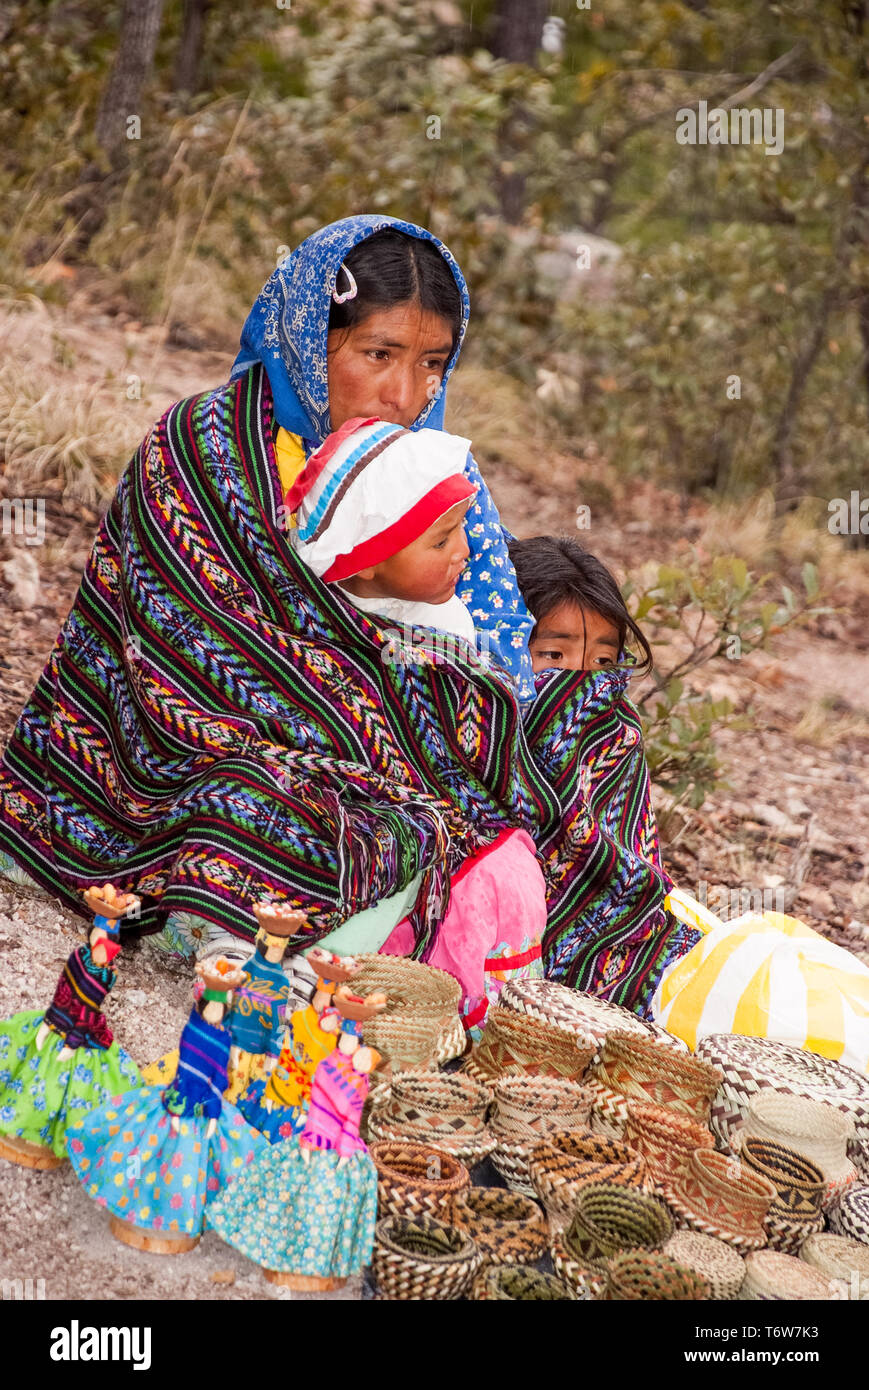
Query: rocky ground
[793, 819]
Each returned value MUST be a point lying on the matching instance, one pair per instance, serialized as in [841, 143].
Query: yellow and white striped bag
[766, 975]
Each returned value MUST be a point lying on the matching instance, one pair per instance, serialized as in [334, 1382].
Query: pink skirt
[493, 927]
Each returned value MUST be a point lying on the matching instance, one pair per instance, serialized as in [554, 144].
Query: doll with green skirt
[59, 1063]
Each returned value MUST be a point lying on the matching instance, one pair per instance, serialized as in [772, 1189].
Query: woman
[215, 725]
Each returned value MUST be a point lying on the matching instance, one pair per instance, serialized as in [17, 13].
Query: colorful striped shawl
[215, 725]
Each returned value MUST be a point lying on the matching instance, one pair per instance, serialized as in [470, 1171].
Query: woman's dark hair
[392, 268]
[552, 570]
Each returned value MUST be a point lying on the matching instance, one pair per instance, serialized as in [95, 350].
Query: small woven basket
[583, 1014]
[518, 1284]
[808, 1127]
[718, 1196]
[585, 1281]
[421, 1026]
[609, 1219]
[753, 1065]
[447, 1110]
[839, 1257]
[789, 1234]
[665, 1138]
[850, 1215]
[646, 1070]
[517, 1044]
[417, 1258]
[567, 1161]
[513, 1162]
[773, 1277]
[506, 1227]
[417, 1180]
[469, 1147]
[527, 1108]
[653, 1275]
[799, 1184]
[720, 1266]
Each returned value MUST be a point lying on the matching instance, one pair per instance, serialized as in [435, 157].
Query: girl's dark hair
[392, 268]
[552, 570]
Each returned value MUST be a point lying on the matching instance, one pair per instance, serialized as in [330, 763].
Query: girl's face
[390, 365]
[574, 639]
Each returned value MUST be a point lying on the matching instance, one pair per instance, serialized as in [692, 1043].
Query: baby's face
[574, 639]
[428, 570]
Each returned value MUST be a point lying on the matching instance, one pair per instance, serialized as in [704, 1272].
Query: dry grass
[505, 422]
[821, 726]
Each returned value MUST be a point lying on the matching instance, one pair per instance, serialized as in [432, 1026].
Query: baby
[582, 623]
[380, 513]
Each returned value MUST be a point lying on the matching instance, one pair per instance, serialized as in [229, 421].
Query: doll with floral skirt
[277, 1106]
[57, 1064]
[305, 1209]
[155, 1157]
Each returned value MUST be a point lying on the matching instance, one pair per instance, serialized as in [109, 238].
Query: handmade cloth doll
[277, 1105]
[58, 1064]
[153, 1158]
[305, 1209]
[256, 1018]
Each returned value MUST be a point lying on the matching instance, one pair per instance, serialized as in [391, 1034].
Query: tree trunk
[186, 74]
[140, 26]
[516, 31]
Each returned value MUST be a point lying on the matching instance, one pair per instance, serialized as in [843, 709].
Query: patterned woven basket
[755, 1065]
[773, 1277]
[446, 1110]
[582, 1279]
[422, 1259]
[565, 1162]
[859, 1154]
[608, 1219]
[417, 1180]
[717, 1195]
[653, 1275]
[665, 1138]
[808, 1127]
[646, 1070]
[506, 1227]
[839, 1257]
[519, 1284]
[421, 1026]
[577, 1012]
[789, 1234]
[799, 1184]
[609, 1109]
[517, 1044]
[513, 1162]
[527, 1108]
[850, 1215]
[720, 1266]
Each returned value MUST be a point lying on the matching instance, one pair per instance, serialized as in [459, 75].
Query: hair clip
[348, 294]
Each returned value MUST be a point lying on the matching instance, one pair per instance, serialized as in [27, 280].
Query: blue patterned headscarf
[288, 325]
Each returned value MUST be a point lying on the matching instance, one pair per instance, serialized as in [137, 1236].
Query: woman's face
[390, 365]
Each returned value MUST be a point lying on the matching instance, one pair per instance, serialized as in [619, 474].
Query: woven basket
[646, 1070]
[665, 1138]
[609, 1109]
[850, 1215]
[718, 1196]
[516, 1044]
[417, 1180]
[789, 1234]
[773, 1277]
[839, 1257]
[422, 1259]
[799, 1184]
[753, 1065]
[720, 1266]
[513, 1162]
[608, 1219]
[518, 1284]
[446, 1110]
[421, 1026]
[808, 1127]
[506, 1227]
[582, 1279]
[577, 1012]
[652, 1275]
[859, 1155]
[527, 1108]
[565, 1162]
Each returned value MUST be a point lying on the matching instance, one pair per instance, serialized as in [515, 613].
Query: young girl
[582, 623]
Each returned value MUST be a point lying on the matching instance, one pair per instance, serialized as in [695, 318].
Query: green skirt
[41, 1094]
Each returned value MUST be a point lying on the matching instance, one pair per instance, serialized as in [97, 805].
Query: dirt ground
[793, 818]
